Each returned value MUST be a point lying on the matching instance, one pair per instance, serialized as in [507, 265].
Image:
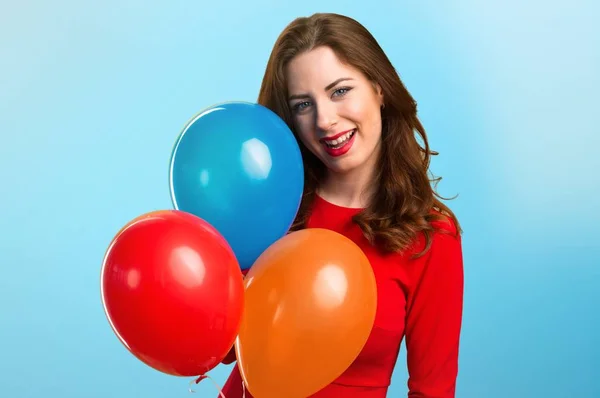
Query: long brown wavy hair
[405, 203]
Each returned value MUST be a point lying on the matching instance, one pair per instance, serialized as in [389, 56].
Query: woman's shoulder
[444, 223]
[443, 236]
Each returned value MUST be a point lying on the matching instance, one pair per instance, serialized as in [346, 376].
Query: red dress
[418, 299]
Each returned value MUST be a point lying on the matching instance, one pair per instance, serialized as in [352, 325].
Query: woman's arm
[433, 320]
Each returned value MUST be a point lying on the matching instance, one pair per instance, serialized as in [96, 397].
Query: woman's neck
[352, 189]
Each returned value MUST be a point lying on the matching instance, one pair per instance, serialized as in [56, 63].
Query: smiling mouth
[340, 141]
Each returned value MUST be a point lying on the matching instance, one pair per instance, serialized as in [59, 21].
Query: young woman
[367, 178]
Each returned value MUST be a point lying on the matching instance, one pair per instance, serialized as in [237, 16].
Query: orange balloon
[310, 302]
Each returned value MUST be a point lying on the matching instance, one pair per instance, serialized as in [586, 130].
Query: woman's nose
[326, 116]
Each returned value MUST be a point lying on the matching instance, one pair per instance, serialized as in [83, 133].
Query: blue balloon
[238, 166]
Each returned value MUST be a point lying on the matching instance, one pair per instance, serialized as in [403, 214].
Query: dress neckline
[336, 207]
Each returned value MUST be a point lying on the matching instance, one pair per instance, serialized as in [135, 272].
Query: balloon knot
[200, 378]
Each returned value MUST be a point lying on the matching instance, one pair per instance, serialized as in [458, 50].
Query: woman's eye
[301, 105]
[341, 91]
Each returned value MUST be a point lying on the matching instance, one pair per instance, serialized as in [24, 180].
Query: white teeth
[340, 140]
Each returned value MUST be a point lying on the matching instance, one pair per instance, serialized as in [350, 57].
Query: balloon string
[200, 378]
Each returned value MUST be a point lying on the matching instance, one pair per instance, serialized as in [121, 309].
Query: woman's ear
[379, 92]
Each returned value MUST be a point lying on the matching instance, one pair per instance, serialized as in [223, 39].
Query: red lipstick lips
[340, 143]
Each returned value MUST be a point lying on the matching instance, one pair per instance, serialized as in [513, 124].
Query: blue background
[93, 96]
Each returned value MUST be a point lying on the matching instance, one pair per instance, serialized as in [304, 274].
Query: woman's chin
[341, 166]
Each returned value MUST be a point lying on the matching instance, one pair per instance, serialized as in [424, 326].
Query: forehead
[315, 69]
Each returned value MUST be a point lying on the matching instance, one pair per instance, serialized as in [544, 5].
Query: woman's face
[336, 110]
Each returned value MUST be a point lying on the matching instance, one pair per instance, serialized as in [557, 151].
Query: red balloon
[173, 292]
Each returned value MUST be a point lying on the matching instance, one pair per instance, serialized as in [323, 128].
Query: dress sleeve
[434, 318]
[230, 357]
